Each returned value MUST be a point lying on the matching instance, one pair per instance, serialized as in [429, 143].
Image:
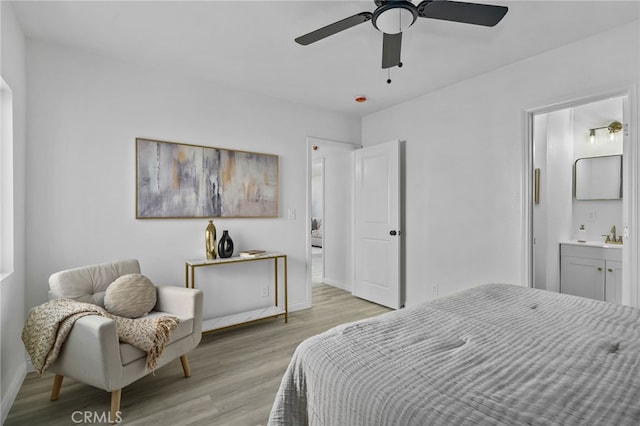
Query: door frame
[311, 141]
[630, 211]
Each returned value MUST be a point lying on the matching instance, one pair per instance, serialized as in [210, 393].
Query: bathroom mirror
[598, 178]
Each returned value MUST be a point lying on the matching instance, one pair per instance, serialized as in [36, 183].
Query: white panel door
[377, 224]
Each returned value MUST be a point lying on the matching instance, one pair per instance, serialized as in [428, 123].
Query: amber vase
[210, 241]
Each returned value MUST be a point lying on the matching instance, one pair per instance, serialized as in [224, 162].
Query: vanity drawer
[591, 252]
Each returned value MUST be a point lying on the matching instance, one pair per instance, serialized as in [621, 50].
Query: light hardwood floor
[316, 266]
[235, 375]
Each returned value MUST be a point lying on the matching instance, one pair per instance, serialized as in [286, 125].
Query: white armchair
[93, 354]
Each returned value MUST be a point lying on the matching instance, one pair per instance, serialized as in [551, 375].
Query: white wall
[464, 159]
[317, 189]
[338, 225]
[557, 191]
[540, 157]
[12, 288]
[85, 112]
[552, 219]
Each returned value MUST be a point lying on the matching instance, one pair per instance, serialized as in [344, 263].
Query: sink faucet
[612, 238]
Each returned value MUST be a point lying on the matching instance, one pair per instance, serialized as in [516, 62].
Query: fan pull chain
[389, 72]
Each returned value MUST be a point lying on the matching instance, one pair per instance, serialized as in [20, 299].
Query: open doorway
[329, 213]
[563, 219]
[317, 220]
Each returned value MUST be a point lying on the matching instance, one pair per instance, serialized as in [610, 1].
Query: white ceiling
[250, 44]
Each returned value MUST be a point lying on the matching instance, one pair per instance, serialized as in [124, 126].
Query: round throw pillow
[130, 296]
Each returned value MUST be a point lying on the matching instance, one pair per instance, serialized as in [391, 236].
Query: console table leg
[286, 292]
[275, 280]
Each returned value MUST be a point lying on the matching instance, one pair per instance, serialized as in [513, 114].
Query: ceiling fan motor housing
[393, 17]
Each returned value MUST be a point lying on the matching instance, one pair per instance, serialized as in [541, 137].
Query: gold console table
[248, 316]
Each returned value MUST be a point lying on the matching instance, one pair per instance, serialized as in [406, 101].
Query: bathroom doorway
[583, 132]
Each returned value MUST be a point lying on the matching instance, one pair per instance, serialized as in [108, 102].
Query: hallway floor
[316, 266]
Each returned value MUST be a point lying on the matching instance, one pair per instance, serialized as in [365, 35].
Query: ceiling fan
[392, 17]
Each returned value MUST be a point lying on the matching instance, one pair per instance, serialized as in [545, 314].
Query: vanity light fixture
[613, 128]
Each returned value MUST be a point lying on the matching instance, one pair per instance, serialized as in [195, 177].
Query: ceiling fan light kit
[392, 17]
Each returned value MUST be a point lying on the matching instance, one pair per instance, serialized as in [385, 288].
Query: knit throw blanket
[49, 324]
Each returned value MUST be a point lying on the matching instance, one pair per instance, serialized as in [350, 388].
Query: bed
[496, 354]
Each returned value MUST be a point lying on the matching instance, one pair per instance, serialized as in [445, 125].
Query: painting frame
[177, 180]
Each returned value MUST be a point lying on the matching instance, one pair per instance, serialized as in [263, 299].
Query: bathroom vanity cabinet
[592, 270]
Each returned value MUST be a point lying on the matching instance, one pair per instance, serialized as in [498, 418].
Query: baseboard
[12, 391]
[299, 306]
[341, 286]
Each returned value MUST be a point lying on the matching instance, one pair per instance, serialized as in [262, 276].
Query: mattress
[496, 354]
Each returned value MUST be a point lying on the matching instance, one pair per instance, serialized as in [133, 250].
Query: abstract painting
[175, 180]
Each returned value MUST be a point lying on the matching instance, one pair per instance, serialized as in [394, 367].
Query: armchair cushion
[130, 296]
[89, 283]
[129, 353]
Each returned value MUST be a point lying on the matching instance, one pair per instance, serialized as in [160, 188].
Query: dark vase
[225, 246]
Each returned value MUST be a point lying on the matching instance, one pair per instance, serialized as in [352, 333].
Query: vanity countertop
[600, 244]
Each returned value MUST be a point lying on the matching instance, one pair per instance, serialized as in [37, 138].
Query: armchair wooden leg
[115, 405]
[57, 384]
[185, 365]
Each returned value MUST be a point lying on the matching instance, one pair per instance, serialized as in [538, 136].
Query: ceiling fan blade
[391, 44]
[468, 13]
[334, 28]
